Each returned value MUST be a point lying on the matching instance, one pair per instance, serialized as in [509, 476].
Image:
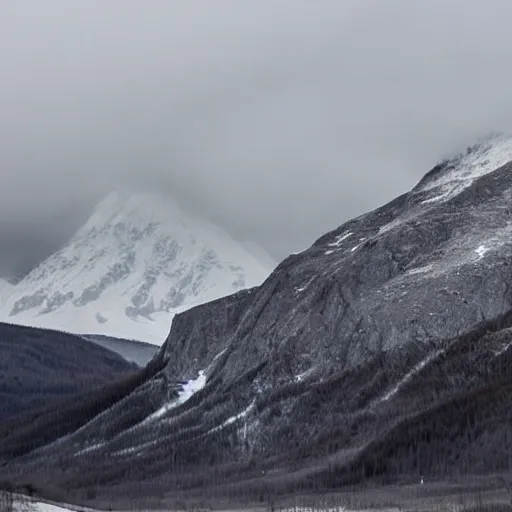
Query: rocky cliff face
[420, 269]
[348, 347]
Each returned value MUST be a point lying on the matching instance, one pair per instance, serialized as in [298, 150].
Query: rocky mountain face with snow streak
[383, 350]
[137, 261]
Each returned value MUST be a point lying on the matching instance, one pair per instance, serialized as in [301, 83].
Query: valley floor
[485, 494]
[25, 504]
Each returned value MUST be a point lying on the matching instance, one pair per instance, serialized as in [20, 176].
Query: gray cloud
[279, 118]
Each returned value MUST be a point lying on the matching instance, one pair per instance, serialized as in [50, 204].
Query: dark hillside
[40, 366]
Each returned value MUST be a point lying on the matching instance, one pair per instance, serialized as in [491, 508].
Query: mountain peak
[137, 261]
[454, 174]
[136, 207]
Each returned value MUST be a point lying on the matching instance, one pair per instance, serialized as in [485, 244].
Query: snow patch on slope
[481, 250]
[233, 419]
[420, 270]
[460, 255]
[190, 388]
[339, 239]
[414, 371]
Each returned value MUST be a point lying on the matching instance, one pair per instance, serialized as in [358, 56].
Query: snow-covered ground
[25, 504]
[46, 507]
[43, 507]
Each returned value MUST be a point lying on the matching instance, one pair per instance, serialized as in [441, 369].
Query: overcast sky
[280, 119]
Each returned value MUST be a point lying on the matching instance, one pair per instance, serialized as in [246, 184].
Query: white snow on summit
[480, 159]
[135, 263]
[6, 289]
[457, 174]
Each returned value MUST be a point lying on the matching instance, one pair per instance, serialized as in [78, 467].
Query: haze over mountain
[274, 119]
[382, 352]
[136, 262]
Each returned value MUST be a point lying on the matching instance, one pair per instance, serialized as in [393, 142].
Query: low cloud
[279, 119]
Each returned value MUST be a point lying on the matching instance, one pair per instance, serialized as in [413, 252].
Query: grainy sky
[279, 119]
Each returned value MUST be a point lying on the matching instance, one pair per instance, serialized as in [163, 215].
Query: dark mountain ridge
[41, 366]
[382, 351]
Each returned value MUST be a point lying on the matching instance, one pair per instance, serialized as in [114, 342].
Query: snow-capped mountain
[5, 288]
[455, 174]
[136, 262]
